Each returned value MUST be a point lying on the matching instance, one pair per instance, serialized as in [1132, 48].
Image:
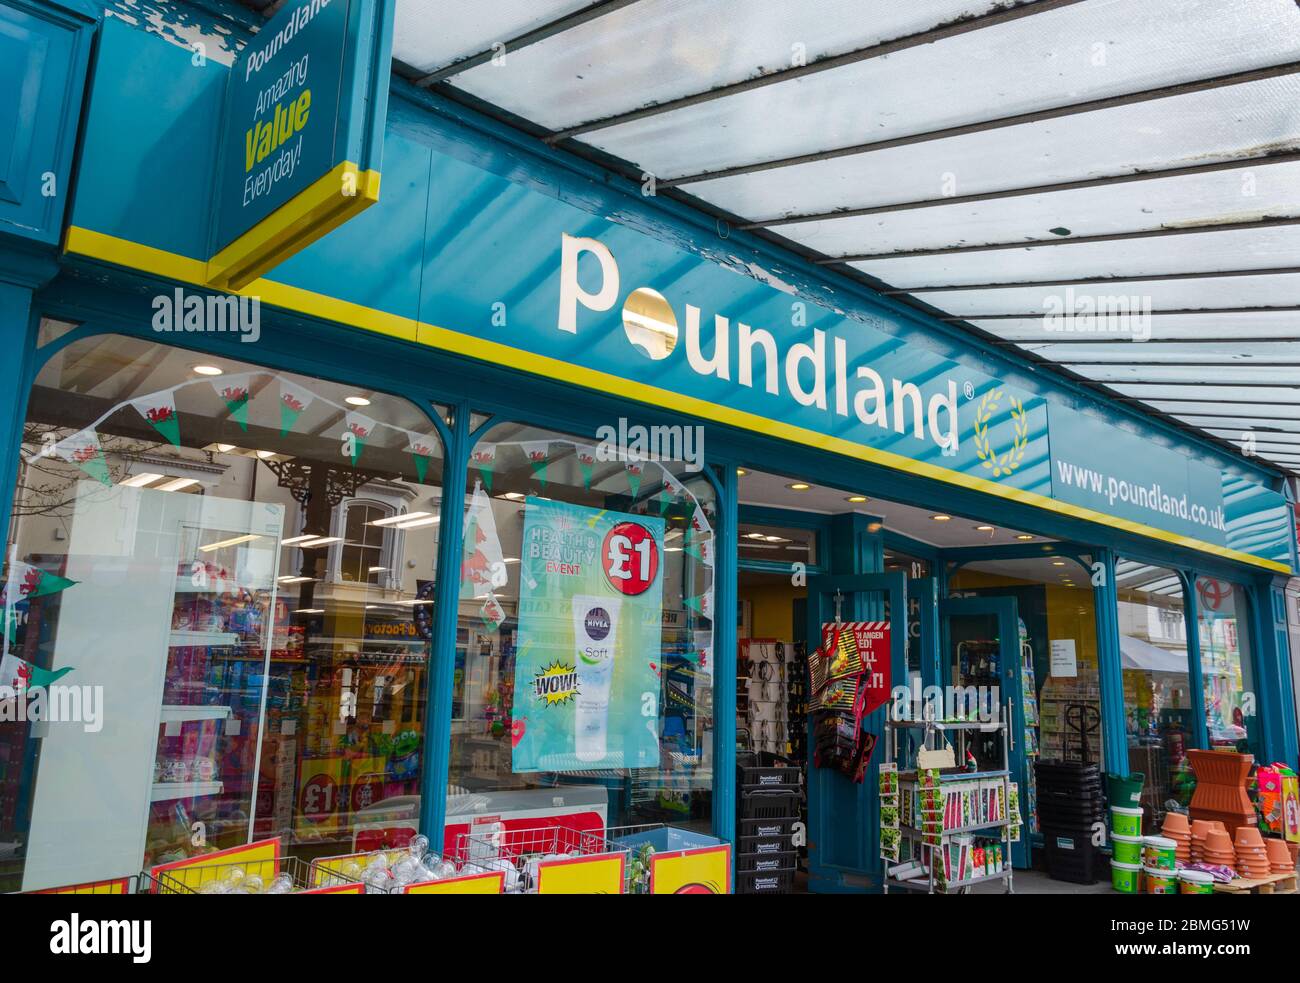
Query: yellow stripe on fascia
[124, 253]
[314, 211]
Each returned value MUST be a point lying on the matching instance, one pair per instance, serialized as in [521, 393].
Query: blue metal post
[1273, 680]
[18, 340]
[724, 661]
[437, 735]
[1191, 622]
[1109, 667]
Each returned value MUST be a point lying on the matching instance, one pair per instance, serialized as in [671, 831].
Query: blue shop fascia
[237, 421]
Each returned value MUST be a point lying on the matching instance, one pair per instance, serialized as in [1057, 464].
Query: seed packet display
[1013, 810]
[888, 779]
[890, 844]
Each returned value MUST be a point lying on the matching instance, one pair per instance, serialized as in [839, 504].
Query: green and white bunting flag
[422, 449]
[492, 613]
[587, 462]
[235, 391]
[484, 457]
[634, 470]
[19, 675]
[83, 450]
[294, 400]
[160, 410]
[24, 583]
[481, 559]
[702, 604]
[361, 427]
[538, 453]
[672, 491]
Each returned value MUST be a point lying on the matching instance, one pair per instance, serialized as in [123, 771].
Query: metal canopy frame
[1251, 137]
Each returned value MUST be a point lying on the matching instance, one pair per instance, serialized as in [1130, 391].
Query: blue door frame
[843, 817]
[1010, 702]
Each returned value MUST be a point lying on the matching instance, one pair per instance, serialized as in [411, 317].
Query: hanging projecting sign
[305, 107]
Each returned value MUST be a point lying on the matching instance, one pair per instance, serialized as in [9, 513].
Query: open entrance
[882, 646]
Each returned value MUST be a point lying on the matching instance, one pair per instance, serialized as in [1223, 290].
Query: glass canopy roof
[1110, 186]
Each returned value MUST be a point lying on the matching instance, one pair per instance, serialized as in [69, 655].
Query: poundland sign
[302, 133]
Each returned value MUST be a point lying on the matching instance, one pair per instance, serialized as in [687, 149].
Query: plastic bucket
[1159, 853]
[1126, 849]
[1125, 821]
[1195, 882]
[1160, 881]
[1124, 877]
[1125, 791]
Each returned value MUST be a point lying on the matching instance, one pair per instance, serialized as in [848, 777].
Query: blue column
[18, 341]
[1274, 692]
[724, 660]
[1191, 623]
[1109, 668]
[437, 735]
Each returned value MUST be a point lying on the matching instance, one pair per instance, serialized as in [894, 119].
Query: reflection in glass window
[182, 539]
[1157, 687]
[1227, 675]
[584, 655]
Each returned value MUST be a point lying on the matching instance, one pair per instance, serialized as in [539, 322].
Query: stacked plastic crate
[769, 798]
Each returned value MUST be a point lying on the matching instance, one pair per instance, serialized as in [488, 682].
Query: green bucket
[1125, 821]
[1126, 792]
[1124, 877]
[1126, 849]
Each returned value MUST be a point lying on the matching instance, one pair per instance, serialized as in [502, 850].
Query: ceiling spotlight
[741, 472]
[799, 486]
[1058, 563]
[856, 498]
[941, 517]
[356, 400]
[985, 529]
[207, 369]
[1024, 535]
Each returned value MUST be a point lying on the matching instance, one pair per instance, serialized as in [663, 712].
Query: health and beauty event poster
[590, 603]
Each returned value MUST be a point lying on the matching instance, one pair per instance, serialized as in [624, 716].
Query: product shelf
[167, 791]
[201, 639]
[172, 712]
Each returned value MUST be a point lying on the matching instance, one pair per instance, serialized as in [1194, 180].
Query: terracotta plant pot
[1218, 843]
[1177, 823]
[1249, 836]
[1220, 767]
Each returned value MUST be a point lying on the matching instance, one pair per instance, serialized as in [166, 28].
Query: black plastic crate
[771, 778]
[1071, 857]
[752, 829]
[769, 805]
[780, 843]
[765, 863]
[765, 882]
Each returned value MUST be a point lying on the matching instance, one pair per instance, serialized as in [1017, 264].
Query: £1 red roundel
[630, 557]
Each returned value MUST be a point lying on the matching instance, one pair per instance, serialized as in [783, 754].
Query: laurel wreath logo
[1006, 461]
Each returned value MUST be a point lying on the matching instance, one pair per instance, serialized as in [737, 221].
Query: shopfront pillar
[724, 660]
[1110, 675]
[441, 677]
[1273, 680]
[18, 326]
[1191, 622]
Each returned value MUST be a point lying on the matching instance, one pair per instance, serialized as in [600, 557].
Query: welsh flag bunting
[361, 427]
[704, 645]
[484, 457]
[492, 613]
[482, 547]
[671, 491]
[422, 449]
[703, 604]
[294, 399]
[700, 547]
[26, 581]
[235, 392]
[634, 471]
[700, 523]
[538, 453]
[587, 462]
[83, 450]
[20, 675]
[160, 410]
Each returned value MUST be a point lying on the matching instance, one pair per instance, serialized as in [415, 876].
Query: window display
[1227, 676]
[585, 645]
[241, 561]
[1157, 686]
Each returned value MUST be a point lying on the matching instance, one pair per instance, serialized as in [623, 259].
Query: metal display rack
[932, 730]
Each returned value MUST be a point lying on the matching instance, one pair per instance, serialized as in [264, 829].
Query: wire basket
[519, 853]
[286, 875]
[353, 867]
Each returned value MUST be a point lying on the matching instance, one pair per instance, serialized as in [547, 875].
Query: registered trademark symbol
[968, 388]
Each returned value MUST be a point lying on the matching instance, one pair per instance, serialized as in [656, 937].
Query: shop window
[193, 544]
[1158, 704]
[916, 568]
[1227, 674]
[584, 659]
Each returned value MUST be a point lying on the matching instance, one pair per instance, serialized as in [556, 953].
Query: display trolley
[954, 827]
